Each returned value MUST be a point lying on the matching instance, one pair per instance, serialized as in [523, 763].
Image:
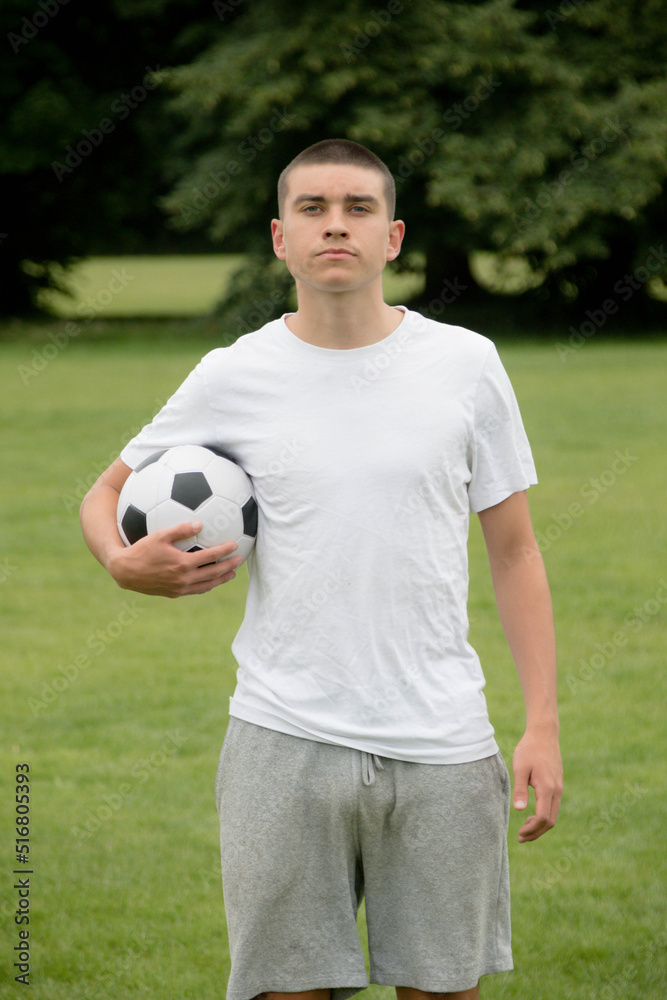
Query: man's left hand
[537, 763]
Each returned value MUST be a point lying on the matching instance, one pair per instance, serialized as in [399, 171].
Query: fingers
[547, 804]
[214, 570]
[181, 531]
[202, 579]
[208, 583]
[188, 530]
[535, 826]
[209, 568]
[541, 769]
[156, 566]
[206, 557]
[520, 790]
[529, 829]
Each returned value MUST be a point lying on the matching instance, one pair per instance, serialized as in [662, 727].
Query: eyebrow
[369, 198]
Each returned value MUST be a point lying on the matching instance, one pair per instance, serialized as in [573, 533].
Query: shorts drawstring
[369, 761]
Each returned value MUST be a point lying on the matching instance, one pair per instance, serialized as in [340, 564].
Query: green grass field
[179, 285]
[118, 702]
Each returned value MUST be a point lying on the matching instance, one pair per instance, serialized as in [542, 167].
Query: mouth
[335, 253]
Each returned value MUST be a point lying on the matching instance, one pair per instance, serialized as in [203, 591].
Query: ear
[396, 234]
[278, 238]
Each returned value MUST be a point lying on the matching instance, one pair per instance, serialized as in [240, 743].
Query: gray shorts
[308, 829]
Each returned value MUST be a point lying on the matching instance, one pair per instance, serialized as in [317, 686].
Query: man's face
[335, 234]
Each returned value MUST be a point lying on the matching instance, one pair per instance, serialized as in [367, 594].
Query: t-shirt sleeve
[501, 459]
[186, 418]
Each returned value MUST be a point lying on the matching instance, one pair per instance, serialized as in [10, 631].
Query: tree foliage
[80, 156]
[529, 130]
[534, 131]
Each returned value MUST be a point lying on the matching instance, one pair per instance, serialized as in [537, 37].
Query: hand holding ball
[184, 483]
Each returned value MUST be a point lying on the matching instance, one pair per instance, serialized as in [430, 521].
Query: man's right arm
[153, 565]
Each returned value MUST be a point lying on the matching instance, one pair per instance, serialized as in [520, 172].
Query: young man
[359, 758]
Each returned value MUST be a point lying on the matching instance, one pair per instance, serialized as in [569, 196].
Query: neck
[342, 321]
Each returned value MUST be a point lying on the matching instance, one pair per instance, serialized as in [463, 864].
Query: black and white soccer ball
[189, 482]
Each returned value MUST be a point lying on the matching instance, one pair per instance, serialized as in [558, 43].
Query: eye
[312, 209]
[359, 208]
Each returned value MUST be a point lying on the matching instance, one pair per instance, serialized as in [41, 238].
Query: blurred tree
[608, 225]
[82, 128]
[530, 130]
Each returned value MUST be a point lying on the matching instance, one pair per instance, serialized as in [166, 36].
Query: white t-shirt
[366, 464]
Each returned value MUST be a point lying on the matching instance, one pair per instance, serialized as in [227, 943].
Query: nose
[336, 224]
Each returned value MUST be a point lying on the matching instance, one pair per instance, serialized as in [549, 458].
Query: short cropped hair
[342, 151]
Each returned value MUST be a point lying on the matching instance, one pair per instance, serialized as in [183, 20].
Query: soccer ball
[189, 482]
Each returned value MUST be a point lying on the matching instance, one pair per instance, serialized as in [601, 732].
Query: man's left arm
[524, 604]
